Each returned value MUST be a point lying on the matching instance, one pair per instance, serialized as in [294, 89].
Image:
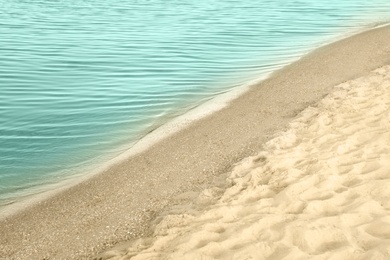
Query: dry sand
[122, 202]
[320, 190]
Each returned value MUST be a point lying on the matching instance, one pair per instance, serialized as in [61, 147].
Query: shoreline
[107, 208]
[167, 128]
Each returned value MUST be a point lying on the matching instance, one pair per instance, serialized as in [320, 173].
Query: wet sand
[123, 202]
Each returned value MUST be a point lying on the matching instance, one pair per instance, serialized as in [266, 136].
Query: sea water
[82, 81]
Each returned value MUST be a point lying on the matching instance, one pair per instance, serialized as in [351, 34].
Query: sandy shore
[123, 202]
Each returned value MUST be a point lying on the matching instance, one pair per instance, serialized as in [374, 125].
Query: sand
[320, 190]
[129, 200]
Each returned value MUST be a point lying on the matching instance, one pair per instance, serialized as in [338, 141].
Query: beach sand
[317, 189]
[320, 190]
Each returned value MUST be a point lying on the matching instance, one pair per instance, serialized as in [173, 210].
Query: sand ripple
[319, 190]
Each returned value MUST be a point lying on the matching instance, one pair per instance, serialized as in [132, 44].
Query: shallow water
[81, 81]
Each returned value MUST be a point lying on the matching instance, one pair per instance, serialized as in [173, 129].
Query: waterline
[81, 85]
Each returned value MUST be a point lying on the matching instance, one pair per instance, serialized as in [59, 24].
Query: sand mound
[320, 190]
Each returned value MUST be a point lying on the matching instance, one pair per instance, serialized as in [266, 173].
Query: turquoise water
[81, 81]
